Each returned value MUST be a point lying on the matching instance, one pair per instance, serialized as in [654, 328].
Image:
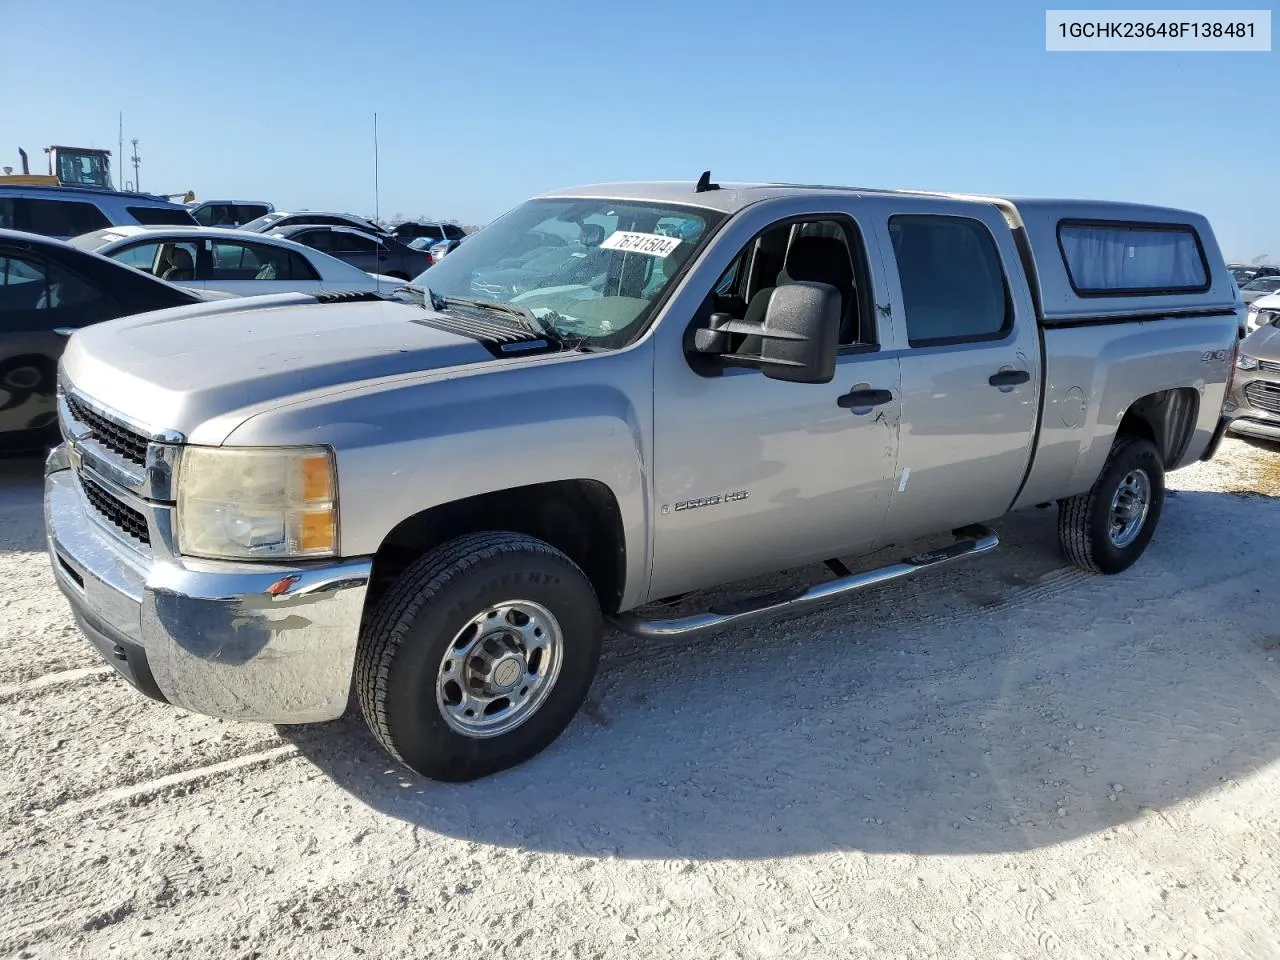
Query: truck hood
[178, 368]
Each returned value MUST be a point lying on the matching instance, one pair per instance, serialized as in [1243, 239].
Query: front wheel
[479, 655]
[1108, 528]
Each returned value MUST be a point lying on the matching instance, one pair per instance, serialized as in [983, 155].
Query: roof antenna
[705, 184]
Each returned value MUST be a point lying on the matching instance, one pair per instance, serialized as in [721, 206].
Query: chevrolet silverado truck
[432, 504]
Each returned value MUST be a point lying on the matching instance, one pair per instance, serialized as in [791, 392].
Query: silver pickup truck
[433, 503]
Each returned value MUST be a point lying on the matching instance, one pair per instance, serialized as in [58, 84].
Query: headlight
[1246, 362]
[257, 503]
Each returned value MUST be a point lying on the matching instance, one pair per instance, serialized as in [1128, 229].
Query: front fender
[410, 446]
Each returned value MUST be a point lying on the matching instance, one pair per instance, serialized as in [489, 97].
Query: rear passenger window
[258, 261]
[953, 287]
[317, 239]
[56, 218]
[161, 216]
[246, 212]
[167, 259]
[351, 244]
[1107, 258]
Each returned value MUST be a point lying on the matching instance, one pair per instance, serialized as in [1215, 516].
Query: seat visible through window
[180, 265]
[815, 255]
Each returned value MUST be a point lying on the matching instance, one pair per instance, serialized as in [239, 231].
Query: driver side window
[827, 250]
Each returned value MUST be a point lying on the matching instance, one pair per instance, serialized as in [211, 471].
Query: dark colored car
[381, 254]
[228, 213]
[49, 289]
[437, 232]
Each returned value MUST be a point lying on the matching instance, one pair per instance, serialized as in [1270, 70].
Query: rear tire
[1108, 528]
[453, 640]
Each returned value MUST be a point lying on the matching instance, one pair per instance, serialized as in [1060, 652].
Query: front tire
[1108, 528]
[479, 655]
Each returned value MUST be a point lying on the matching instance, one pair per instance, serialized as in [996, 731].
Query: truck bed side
[1154, 362]
[1094, 376]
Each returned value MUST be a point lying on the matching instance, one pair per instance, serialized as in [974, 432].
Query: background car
[49, 289]
[1259, 287]
[384, 254]
[435, 232]
[1245, 272]
[228, 213]
[440, 248]
[65, 212]
[231, 261]
[1263, 311]
[278, 220]
[1254, 402]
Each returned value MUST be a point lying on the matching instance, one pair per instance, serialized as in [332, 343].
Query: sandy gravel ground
[1009, 759]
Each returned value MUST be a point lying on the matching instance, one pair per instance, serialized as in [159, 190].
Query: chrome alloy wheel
[1129, 508]
[499, 669]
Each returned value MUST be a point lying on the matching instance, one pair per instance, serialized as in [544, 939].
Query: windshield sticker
[650, 243]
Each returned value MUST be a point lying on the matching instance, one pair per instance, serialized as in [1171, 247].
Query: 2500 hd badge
[710, 501]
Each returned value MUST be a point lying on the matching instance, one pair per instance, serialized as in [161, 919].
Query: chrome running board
[972, 541]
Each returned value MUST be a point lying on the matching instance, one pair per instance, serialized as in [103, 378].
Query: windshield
[589, 270]
[1242, 274]
[83, 169]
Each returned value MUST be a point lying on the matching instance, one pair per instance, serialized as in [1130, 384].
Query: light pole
[137, 185]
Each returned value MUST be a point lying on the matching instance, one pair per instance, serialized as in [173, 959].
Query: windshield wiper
[424, 294]
[538, 325]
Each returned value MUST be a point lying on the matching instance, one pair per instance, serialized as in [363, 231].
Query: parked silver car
[1259, 287]
[1261, 312]
[1254, 403]
[232, 261]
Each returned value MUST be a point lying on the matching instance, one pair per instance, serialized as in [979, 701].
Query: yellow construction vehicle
[68, 167]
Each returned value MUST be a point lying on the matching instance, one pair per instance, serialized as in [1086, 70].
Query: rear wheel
[1108, 528]
[479, 655]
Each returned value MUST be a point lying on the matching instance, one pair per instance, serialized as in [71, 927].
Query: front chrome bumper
[1253, 425]
[241, 641]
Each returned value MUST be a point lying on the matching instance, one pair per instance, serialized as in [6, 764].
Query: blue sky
[481, 104]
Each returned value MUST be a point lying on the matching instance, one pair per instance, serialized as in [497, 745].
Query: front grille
[1269, 365]
[116, 513]
[130, 445]
[1264, 395]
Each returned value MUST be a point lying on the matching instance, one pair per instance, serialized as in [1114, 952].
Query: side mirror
[798, 338]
